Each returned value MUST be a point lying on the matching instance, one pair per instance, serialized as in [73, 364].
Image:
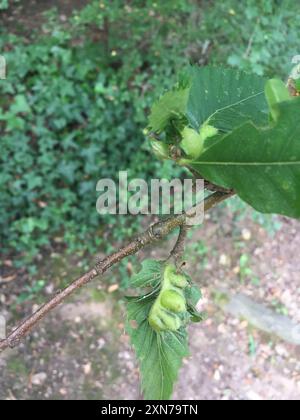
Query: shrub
[72, 109]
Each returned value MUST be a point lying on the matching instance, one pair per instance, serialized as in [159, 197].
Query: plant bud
[192, 143]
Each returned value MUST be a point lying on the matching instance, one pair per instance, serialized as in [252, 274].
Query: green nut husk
[164, 321]
[164, 314]
[178, 280]
[191, 143]
[172, 300]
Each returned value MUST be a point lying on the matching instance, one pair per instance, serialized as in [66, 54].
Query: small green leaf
[192, 143]
[160, 354]
[195, 316]
[172, 105]
[150, 275]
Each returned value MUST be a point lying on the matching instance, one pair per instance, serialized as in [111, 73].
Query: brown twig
[155, 233]
[179, 248]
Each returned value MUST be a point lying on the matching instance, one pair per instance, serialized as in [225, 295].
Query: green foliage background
[74, 105]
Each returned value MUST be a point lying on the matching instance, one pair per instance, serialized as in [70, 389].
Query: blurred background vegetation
[77, 93]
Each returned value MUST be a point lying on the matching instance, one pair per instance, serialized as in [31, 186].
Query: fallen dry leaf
[113, 288]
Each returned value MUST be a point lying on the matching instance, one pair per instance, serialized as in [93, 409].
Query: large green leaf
[261, 164]
[160, 354]
[226, 98]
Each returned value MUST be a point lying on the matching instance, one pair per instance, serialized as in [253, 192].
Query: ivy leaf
[226, 98]
[172, 105]
[160, 354]
[20, 105]
[261, 164]
[150, 275]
